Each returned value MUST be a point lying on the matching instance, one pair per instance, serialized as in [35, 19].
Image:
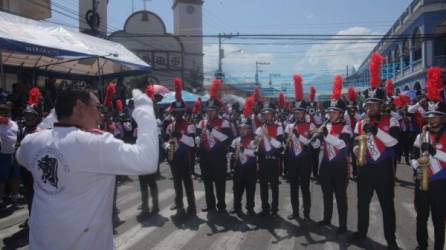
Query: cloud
[235, 62]
[336, 55]
[309, 16]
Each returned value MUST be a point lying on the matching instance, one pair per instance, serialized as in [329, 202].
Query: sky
[318, 63]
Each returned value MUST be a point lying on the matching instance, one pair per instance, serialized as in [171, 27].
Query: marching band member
[299, 153]
[334, 170]
[245, 166]
[270, 138]
[180, 147]
[379, 136]
[429, 162]
[214, 142]
[351, 117]
[316, 119]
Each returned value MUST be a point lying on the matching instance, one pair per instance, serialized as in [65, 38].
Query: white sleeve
[336, 142]
[387, 139]
[49, 121]
[275, 143]
[414, 164]
[117, 157]
[356, 130]
[304, 140]
[188, 140]
[417, 142]
[440, 155]
[219, 135]
[8, 137]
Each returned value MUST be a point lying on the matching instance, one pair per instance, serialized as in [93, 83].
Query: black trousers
[245, 179]
[27, 180]
[432, 201]
[213, 165]
[299, 177]
[182, 167]
[147, 182]
[315, 162]
[334, 180]
[380, 178]
[269, 174]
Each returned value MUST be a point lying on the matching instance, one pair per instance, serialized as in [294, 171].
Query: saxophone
[172, 146]
[362, 143]
[424, 160]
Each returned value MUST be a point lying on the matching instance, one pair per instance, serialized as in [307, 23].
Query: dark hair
[67, 95]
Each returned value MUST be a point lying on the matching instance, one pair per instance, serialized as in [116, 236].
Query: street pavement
[227, 231]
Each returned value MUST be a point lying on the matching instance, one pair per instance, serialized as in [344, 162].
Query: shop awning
[55, 50]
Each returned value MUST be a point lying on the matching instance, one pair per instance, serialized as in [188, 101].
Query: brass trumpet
[424, 160]
[318, 132]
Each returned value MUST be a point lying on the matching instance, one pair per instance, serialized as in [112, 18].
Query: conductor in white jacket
[74, 167]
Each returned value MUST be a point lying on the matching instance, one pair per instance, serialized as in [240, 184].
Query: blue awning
[188, 97]
[50, 48]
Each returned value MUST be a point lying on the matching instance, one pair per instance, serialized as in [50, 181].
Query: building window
[406, 53]
[416, 45]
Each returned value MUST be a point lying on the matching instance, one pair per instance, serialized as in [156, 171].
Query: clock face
[190, 9]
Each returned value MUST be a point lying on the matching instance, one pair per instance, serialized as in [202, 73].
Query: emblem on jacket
[50, 170]
[49, 166]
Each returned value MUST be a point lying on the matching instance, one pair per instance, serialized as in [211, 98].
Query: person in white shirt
[74, 167]
[8, 137]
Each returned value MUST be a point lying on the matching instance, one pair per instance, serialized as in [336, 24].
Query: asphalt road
[226, 231]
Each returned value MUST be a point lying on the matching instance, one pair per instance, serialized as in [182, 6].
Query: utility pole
[220, 54]
[257, 71]
[271, 75]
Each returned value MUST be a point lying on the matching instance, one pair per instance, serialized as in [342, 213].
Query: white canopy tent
[51, 49]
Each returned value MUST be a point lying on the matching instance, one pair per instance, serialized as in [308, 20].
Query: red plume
[256, 94]
[401, 100]
[298, 89]
[375, 70]
[282, 100]
[109, 93]
[247, 108]
[312, 93]
[150, 91]
[178, 89]
[215, 87]
[197, 106]
[433, 84]
[352, 94]
[337, 87]
[389, 88]
[405, 99]
[34, 97]
[119, 105]
[397, 101]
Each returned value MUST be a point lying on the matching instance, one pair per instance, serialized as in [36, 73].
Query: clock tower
[188, 20]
